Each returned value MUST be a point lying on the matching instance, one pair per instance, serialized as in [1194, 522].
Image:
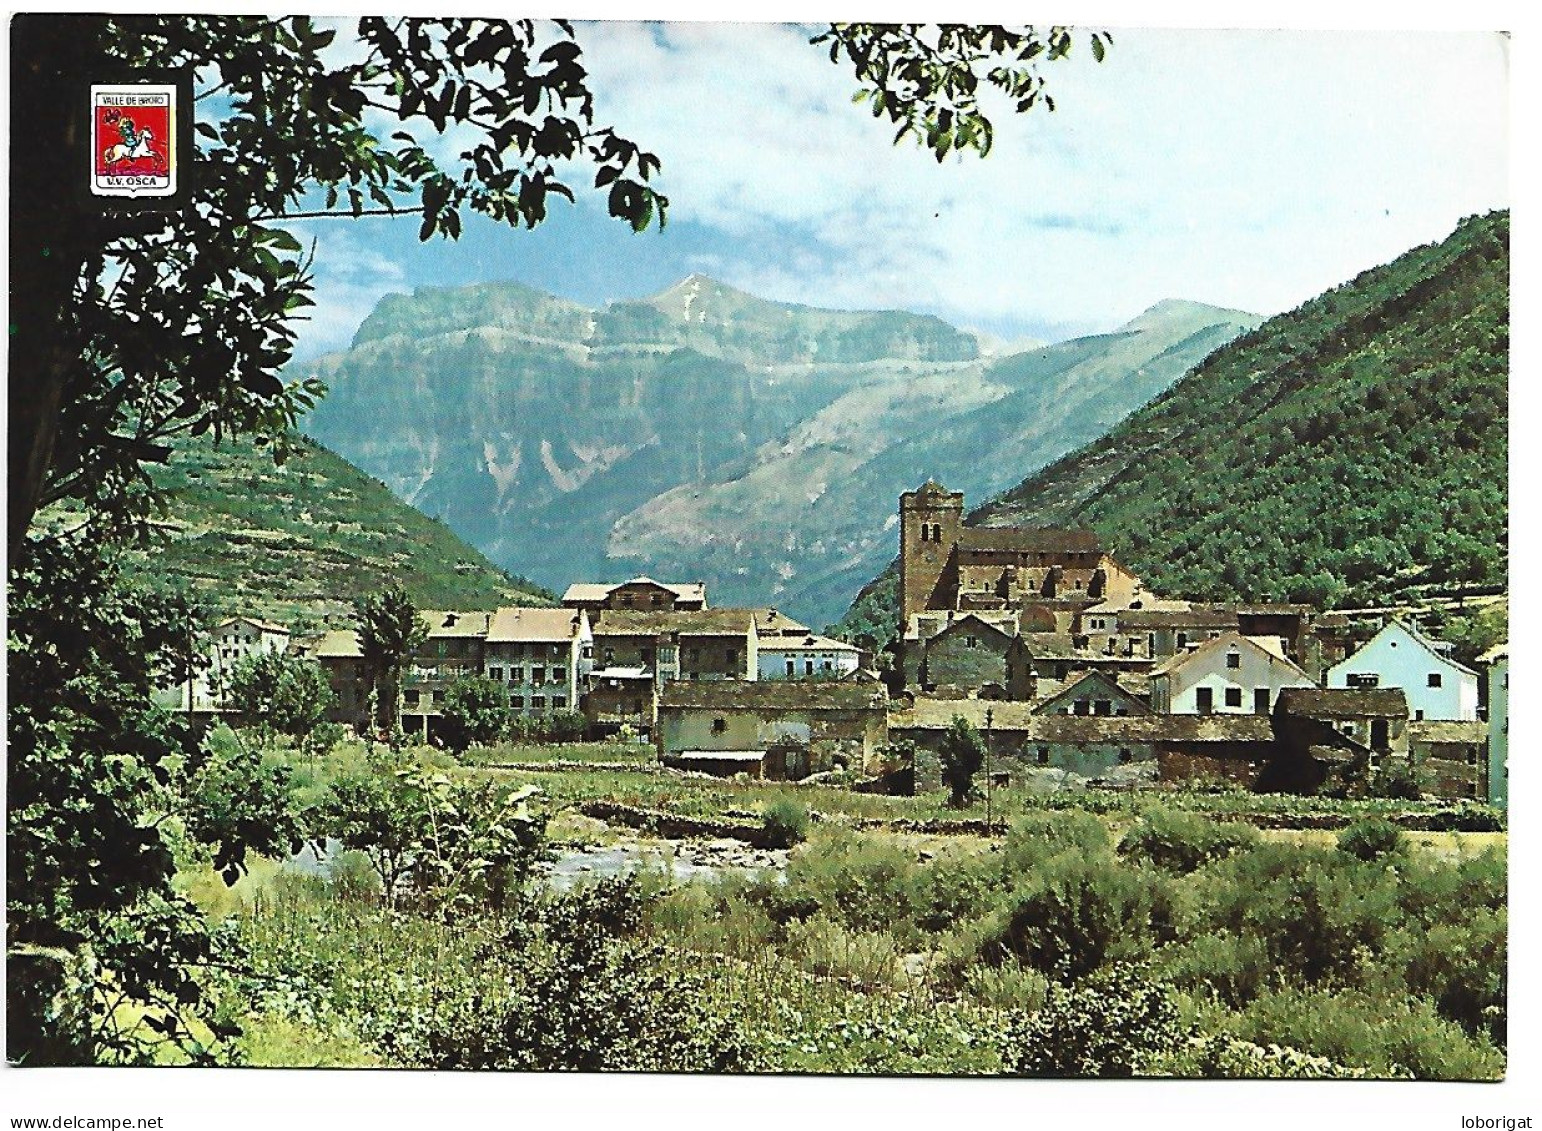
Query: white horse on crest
[118, 154]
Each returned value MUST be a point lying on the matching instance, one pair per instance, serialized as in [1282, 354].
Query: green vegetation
[245, 534]
[1352, 452]
[962, 754]
[280, 693]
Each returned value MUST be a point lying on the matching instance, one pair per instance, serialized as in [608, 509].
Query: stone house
[1343, 733]
[1021, 740]
[453, 651]
[1231, 674]
[640, 594]
[1452, 757]
[542, 656]
[1093, 694]
[773, 728]
[337, 652]
[1399, 655]
[968, 652]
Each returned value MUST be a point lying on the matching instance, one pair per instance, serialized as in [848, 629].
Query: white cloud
[350, 278]
[1251, 169]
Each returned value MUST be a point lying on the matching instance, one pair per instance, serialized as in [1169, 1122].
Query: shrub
[785, 823]
[962, 752]
[1391, 1037]
[1115, 1024]
[1460, 966]
[1372, 838]
[865, 881]
[1075, 913]
[1233, 969]
[475, 712]
[1183, 842]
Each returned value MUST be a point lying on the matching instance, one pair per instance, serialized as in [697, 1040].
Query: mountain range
[704, 434]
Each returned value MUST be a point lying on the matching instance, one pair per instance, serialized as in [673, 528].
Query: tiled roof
[1032, 540]
[264, 625]
[538, 624]
[1344, 703]
[773, 694]
[1194, 616]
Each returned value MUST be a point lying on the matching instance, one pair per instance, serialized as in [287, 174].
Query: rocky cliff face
[706, 434]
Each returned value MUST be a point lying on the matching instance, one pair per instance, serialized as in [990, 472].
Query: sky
[1250, 169]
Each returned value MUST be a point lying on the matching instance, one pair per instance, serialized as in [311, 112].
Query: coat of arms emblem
[133, 150]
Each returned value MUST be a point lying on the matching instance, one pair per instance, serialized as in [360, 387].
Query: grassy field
[889, 942]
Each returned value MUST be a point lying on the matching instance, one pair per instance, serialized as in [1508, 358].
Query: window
[1183, 641]
[1079, 707]
[1234, 660]
[517, 675]
[1418, 716]
[610, 656]
[808, 667]
[517, 702]
[558, 702]
[792, 668]
[925, 533]
[936, 532]
[1379, 733]
[1102, 707]
[971, 642]
[1044, 755]
[1363, 679]
[1234, 696]
[410, 698]
[1124, 756]
[494, 673]
[538, 702]
[1472, 756]
[1204, 700]
[719, 726]
[829, 666]
[1434, 679]
[1260, 700]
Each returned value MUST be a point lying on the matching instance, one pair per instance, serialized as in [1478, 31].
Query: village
[1072, 671]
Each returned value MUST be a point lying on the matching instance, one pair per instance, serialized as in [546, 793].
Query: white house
[232, 640]
[1497, 660]
[1230, 675]
[1436, 686]
[806, 657]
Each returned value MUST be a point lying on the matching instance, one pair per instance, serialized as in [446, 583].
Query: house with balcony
[543, 657]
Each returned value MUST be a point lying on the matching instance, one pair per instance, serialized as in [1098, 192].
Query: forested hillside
[1348, 453]
[302, 539]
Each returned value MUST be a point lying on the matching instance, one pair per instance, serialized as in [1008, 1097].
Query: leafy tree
[390, 630]
[962, 752]
[457, 843]
[135, 326]
[235, 802]
[475, 711]
[928, 78]
[280, 692]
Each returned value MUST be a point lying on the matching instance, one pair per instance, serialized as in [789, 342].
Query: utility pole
[989, 824]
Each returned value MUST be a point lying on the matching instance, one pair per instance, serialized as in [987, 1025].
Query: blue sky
[1250, 169]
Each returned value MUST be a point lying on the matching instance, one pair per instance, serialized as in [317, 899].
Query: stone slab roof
[1029, 539]
[683, 622]
[1448, 730]
[337, 643]
[773, 695]
[1195, 616]
[1269, 645]
[1344, 703]
[938, 714]
[805, 643]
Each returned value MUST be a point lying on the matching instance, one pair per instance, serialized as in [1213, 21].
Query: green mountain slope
[301, 540]
[1348, 453]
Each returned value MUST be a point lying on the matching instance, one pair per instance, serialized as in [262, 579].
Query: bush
[1183, 842]
[785, 823]
[1233, 969]
[1113, 1025]
[1391, 1037]
[962, 752]
[475, 712]
[1460, 966]
[1074, 913]
[865, 881]
[1372, 838]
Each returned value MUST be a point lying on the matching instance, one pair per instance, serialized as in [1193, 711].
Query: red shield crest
[133, 132]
